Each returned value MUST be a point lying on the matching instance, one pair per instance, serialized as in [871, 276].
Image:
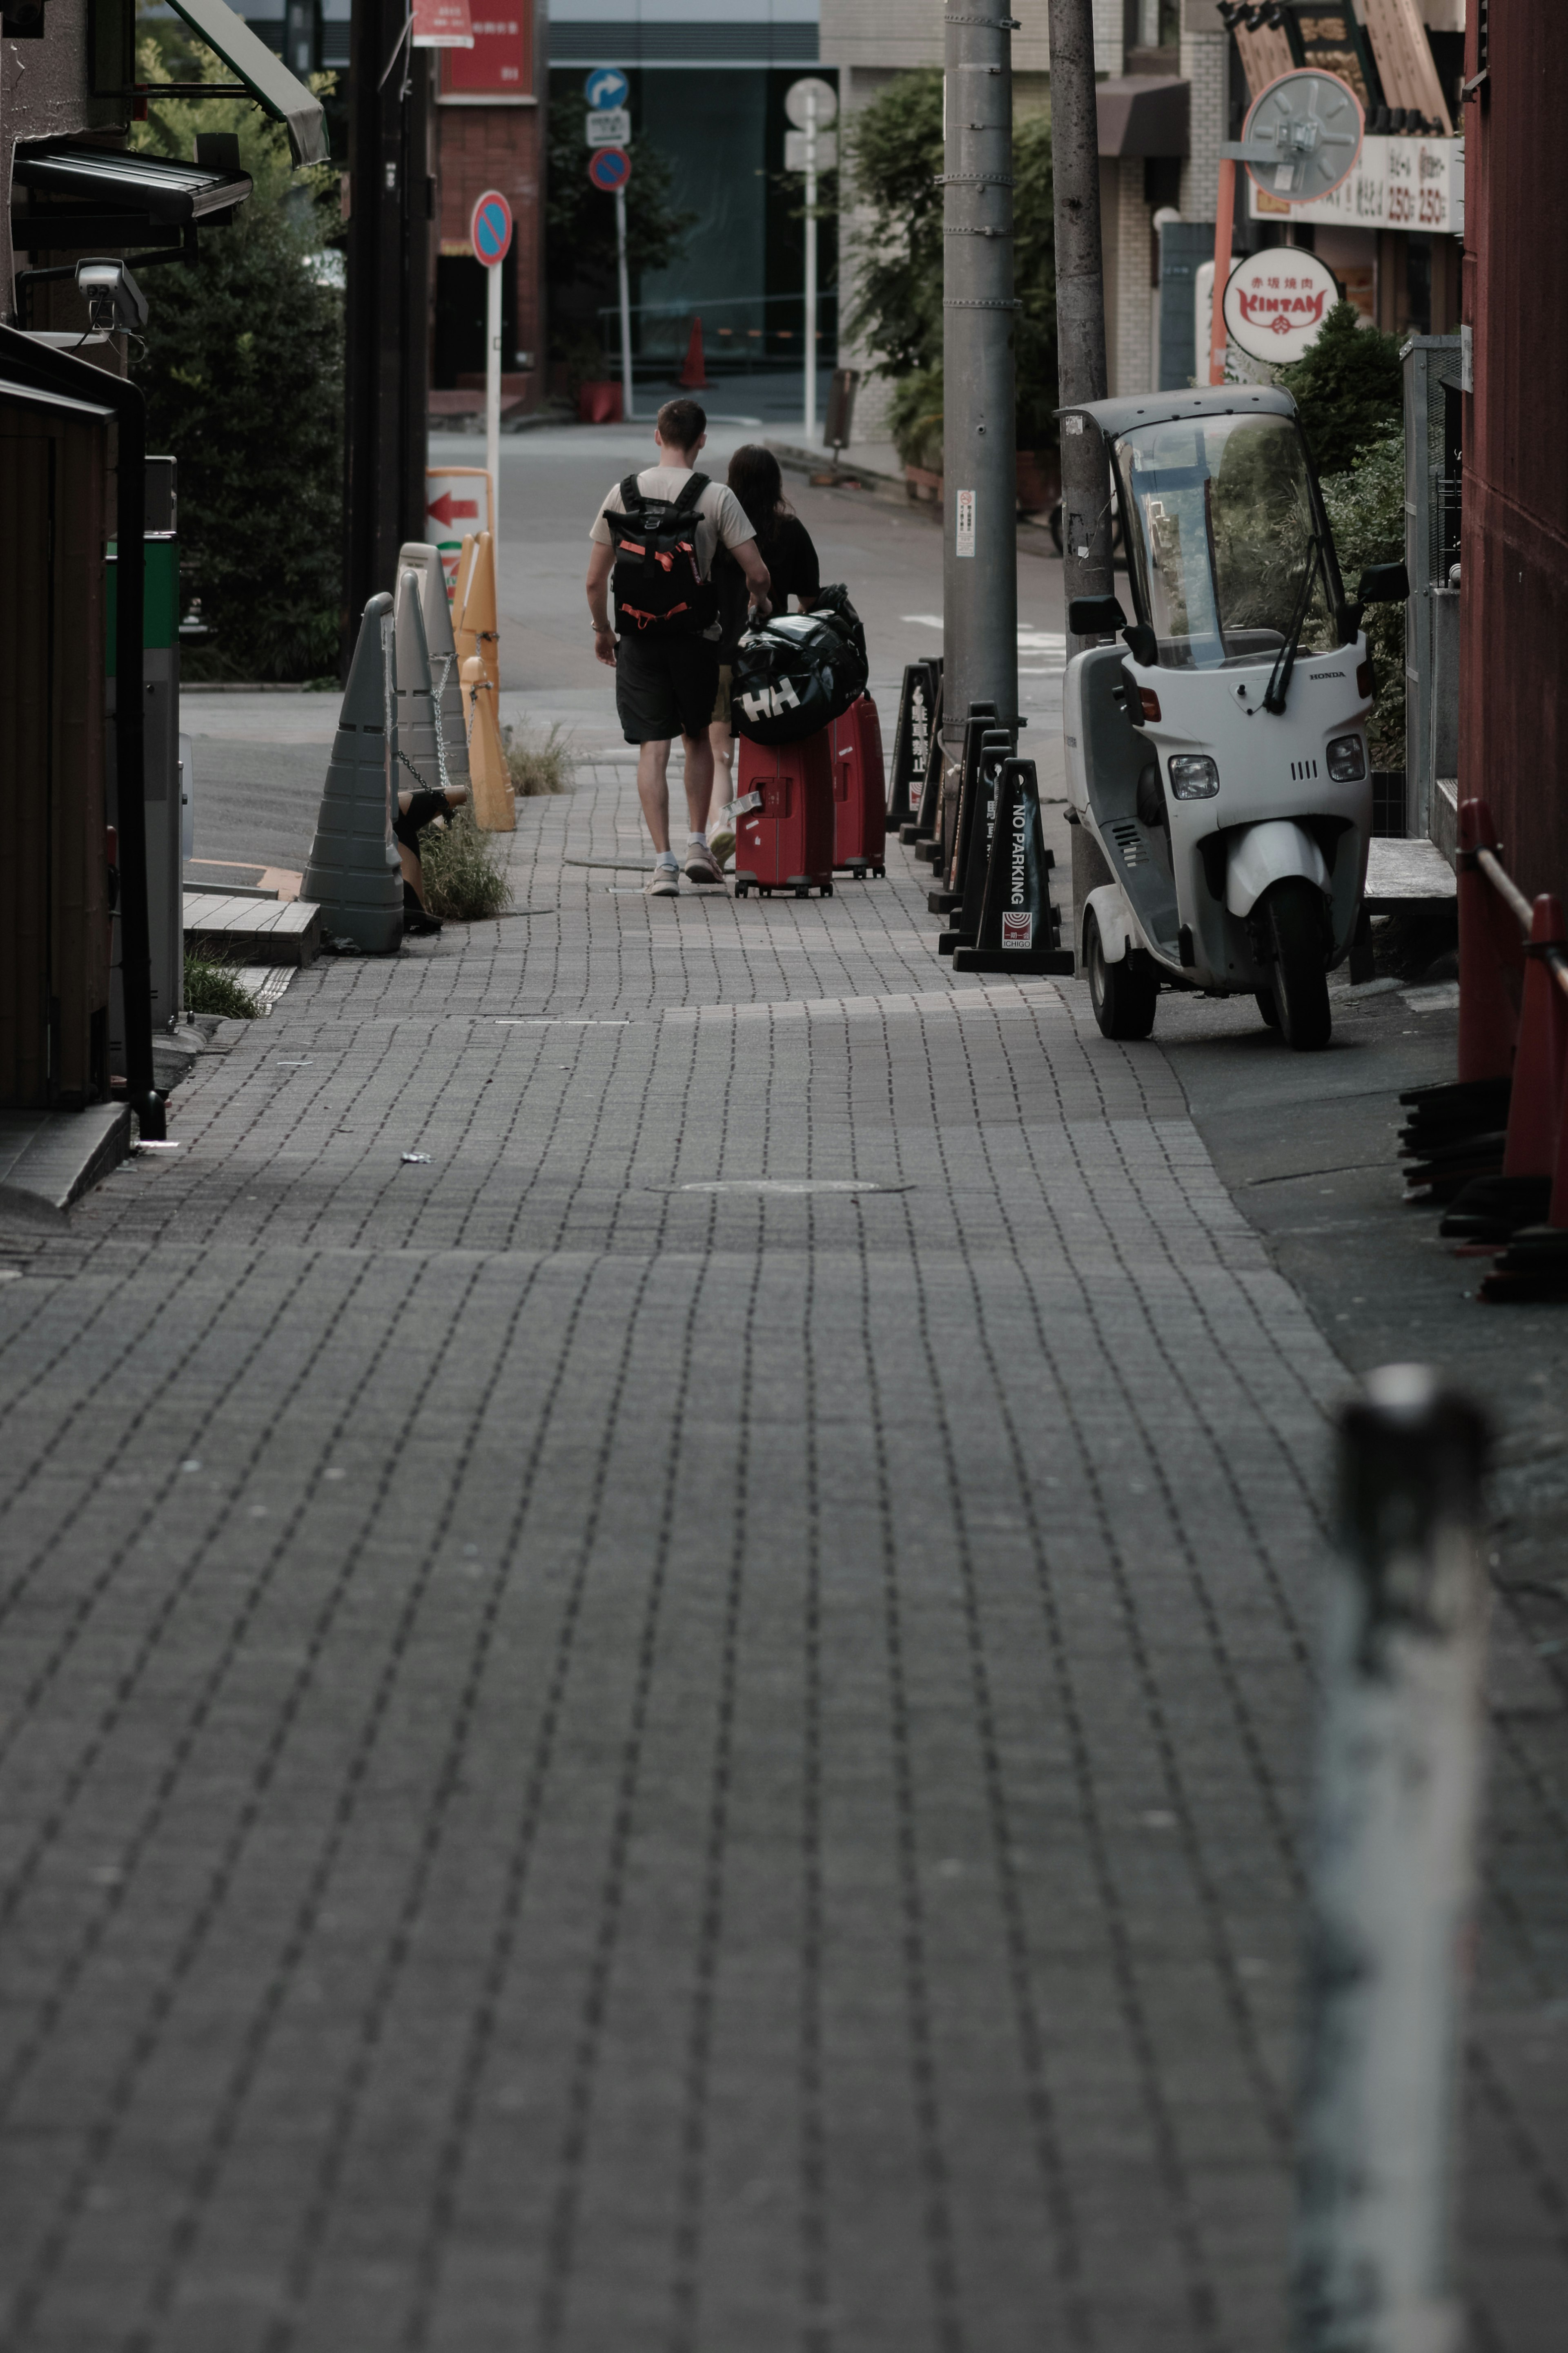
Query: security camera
[116, 304]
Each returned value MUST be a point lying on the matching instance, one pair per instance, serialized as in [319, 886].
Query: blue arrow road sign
[609, 168]
[607, 86]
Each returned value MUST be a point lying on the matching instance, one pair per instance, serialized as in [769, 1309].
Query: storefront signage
[1410, 184]
[500, 63]
[1276, 302]
[442, 25]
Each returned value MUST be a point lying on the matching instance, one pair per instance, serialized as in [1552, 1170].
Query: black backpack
[659, 584]
[793, 674]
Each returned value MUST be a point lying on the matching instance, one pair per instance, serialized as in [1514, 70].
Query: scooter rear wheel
[1122, 995]
[1295, 917]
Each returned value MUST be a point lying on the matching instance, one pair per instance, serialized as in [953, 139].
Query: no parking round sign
[609, 168]
[489, 228]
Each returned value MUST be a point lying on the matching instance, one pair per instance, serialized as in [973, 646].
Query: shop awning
[263, 74]
[1140, 114]
[131, 199]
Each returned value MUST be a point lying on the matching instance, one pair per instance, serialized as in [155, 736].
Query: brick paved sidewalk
[597, 1756]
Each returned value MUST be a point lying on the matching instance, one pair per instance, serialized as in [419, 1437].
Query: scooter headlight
[1347, 760]
[1194, 776]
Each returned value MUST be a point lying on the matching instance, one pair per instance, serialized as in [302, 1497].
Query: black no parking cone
[1019, 928]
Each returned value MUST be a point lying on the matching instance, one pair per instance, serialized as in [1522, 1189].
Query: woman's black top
[792, 567]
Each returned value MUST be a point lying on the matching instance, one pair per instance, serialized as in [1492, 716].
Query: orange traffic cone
[693, 376]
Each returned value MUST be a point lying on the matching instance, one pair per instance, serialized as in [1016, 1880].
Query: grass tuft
[464, 880]
[211, 987]
[534, 766]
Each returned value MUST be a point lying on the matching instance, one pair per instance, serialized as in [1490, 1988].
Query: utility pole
[980, 566]
[390, 202]
[1080, 300]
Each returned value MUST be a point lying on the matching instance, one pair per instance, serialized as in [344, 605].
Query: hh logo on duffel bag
[771, 701]
[1018, 927]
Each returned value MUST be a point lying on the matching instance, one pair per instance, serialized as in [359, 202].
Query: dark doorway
[460, 318]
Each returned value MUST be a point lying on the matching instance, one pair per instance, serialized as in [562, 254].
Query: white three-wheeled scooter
[1217, 758]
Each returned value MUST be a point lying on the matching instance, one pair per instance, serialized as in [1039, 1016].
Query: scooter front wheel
[1295, 917]
[1123, 995]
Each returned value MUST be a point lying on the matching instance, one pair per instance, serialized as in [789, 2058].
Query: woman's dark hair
[756, 481]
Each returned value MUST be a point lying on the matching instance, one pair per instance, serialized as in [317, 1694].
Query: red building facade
[1513, 722]
[490, 113]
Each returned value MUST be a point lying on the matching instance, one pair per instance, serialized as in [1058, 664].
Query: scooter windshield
[1221, 532]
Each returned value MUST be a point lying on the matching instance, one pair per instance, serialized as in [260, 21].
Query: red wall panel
[1513, 742]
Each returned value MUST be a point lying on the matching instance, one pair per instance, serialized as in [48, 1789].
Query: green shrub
[1350, 389]
[243, 371]
[534, 766]
[211, 987]
[895, 151]
[1366, 514]
[464, 878]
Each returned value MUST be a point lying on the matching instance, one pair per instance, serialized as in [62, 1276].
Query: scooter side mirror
[1383, 584]
[1141, 644]
[1095, 617]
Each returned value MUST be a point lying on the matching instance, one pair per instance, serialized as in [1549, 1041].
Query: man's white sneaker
[702, 866]
[664, 882]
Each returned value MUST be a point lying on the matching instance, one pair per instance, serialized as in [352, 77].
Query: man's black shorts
[665, 687]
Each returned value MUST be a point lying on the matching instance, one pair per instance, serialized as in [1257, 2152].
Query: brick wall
[498, 147]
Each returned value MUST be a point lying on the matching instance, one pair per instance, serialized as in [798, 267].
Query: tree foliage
[579, 220]
[895, 151]
[1365, 507]
[242, 369]
[1349, 389]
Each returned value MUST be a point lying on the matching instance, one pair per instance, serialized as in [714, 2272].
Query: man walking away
[658, 533]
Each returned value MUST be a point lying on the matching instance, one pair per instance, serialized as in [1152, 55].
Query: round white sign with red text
[1276, 302]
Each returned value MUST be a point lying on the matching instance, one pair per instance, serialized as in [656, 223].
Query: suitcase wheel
[827, 890]
[742, 889]
[803, 890]
[880, 872]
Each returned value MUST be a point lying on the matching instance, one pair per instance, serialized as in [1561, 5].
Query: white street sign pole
[493, 395]
[810, 263]
[626, 292]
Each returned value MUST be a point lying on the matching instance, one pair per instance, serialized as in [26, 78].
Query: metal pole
[1399, 1779]
[980, 566]
[386, 419]
[1224, 227]
[493, 395]
[810, 262]
[1080, 300]
[625, 294]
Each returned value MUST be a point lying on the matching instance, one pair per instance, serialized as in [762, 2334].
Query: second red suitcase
[859, 791]
[784, 820]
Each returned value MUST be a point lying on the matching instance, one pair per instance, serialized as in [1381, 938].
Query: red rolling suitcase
[783, 816]
[859, 791]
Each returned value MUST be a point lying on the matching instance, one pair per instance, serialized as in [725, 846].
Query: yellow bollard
[480, 609]
[495, 805]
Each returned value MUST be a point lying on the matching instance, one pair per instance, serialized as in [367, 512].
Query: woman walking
[784, 546]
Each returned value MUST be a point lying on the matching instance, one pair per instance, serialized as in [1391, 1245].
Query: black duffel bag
[793, 674]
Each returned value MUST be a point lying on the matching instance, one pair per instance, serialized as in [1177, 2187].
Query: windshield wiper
[1278, 685]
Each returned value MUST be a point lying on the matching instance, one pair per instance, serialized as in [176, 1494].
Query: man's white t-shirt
[720, 517]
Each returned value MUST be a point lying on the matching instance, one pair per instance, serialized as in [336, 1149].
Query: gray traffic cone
[418, 758]
[354, 875]
[417, 555]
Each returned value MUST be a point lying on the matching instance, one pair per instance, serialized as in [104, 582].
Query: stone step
[258, 931]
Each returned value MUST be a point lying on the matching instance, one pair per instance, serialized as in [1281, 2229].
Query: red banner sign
[500, 63]
[442, 25]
